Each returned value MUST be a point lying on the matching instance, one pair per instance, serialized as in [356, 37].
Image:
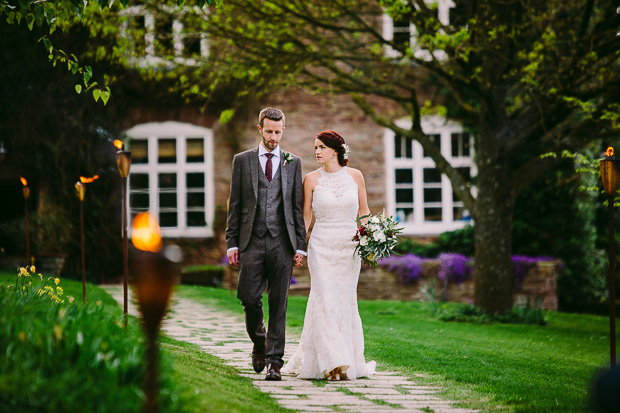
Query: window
[417, 193]
[402, 33]
[172, 177]
[165, 33]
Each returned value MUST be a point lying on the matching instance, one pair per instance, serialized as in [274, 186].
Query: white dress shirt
[275, 160]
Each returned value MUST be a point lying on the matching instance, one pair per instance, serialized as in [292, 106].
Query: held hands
[298, 260]
[233, 258]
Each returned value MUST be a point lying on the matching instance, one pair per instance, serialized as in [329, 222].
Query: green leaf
[78, 89]
[86, 77]
[96, 94]
[105, 96]
[124, 2]
[48, 44]
[30, 21]
[226, 115]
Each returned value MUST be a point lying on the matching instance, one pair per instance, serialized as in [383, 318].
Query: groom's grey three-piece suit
[265, 222]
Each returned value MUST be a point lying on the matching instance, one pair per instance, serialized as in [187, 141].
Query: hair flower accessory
[346, 151]
[287, 157]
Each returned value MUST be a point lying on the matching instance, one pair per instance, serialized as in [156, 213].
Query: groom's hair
[274, 114]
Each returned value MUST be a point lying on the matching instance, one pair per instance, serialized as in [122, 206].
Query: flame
[145, 233]
[119, 145]
[610, 152]
[24, 182]
[85, 180]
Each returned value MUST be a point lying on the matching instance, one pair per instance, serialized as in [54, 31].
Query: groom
[266, 236]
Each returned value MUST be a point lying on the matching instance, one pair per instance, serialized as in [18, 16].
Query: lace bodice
[335, 197]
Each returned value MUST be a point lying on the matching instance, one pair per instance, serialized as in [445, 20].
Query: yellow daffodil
[41, 276]
[59, 291]
[57, 331]
[71, 299]
[33, 269]
[98, 302]
[57, 281]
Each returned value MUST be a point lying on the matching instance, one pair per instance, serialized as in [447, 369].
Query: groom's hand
[298, 260]
[233, 257]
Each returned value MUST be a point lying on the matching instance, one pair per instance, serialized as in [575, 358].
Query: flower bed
[403, 278]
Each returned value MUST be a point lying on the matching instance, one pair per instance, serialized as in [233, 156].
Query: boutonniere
[287, 157]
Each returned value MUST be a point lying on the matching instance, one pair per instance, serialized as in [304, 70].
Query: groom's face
[271, 133]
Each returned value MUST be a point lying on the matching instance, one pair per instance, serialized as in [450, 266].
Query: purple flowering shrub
[454, 268]
[451, 268]
[521, 265]
[408, 267]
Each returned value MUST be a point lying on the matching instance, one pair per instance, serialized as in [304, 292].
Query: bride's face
[324, 154]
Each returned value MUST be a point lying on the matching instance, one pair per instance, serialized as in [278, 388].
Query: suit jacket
[243, 196]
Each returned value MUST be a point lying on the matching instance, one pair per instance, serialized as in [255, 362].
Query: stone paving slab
[223, 335]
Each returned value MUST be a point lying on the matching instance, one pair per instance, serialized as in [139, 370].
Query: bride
[332, 340]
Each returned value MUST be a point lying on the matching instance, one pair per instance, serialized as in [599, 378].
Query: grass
[204, 383]
[494, 367]
[211, 386]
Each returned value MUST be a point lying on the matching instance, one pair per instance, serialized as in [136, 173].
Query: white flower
[345, 155]
[363, 241]
[374, 228]
[379, 236]
[374, 220]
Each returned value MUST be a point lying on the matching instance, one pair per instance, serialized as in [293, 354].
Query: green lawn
[525, 368]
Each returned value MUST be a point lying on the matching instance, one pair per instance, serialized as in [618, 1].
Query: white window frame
[443, 14]
[150, 58]
[152, 132]
[430, 125]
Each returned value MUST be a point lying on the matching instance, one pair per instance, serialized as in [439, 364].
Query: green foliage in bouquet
[376, 237]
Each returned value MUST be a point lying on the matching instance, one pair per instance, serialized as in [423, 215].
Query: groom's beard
[270, 144]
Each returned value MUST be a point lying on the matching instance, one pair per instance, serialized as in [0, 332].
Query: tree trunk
[493, 283]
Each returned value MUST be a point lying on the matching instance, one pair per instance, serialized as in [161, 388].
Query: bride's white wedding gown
[332, 334]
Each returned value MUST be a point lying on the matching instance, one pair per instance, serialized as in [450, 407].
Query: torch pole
[151, 373]
[27, 233]
[83, 254]
[125, 250]
[612, 284]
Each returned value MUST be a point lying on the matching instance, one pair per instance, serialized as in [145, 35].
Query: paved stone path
[224, 336]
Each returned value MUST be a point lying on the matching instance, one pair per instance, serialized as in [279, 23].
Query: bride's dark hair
[334, 140]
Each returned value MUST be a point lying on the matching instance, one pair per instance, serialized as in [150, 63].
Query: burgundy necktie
[268, 166]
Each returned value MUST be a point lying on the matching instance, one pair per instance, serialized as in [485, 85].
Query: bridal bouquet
[376, 238]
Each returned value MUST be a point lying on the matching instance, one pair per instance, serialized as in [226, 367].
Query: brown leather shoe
[258, 357]
[273, 373]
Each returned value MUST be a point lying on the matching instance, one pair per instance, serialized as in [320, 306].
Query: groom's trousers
[267, 262]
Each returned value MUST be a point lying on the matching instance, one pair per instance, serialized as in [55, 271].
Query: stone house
[182, 159]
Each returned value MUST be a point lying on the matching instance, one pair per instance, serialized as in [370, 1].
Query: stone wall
[380, 284]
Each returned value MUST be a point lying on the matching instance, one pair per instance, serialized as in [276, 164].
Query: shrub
[408, 267]
[454, 268]
[518, 315]
[58, 356]
[451, 268]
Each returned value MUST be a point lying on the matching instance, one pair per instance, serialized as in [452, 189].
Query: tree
[525, 76]
[48, 16]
